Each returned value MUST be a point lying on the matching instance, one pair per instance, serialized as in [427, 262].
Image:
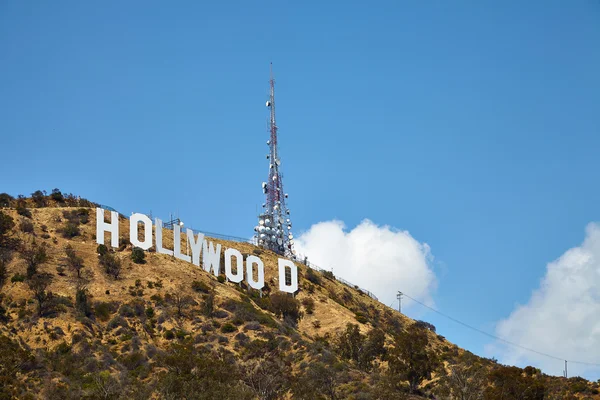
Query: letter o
[133, 231]
[260, 281]
[239, 276]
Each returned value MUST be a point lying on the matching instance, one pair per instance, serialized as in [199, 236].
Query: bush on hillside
[39, 198]
[69, 230]
[329, 275]
[77, 217]
[6, 224]
[74, 262]
[34, 256]
[6, 200]
[200, 287]
[26, 226]
[101, 249]
[112, 265]
[285, 306]
[57, 196]
[138, 255]
[312, 276]
[309, 305]
[22, 209]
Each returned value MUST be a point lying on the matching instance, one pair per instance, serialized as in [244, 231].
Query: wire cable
[499, 338]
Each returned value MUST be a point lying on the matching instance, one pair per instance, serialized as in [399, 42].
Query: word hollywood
[211, 257]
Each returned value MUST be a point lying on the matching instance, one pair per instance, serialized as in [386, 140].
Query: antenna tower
[274, 229]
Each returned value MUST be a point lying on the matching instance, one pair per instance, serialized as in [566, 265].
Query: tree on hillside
[112, 265]
[512, 383]
[208, 305]
[318, 382]
[362, 349]
[138, 255]
[6, 224]
[5, 199]
[195, 373]
[466, 380]
[82, 301]
[57, 196]
[268, 378]
[411, 359]
[74, 262]
[22, 207]
[13, 361]
[179, 300]
[287, 307]
[39, 198]
[34, 256]
[7, 242]
[38, 284]
[6, 256]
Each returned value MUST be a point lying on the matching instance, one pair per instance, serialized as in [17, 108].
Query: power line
[499, 338]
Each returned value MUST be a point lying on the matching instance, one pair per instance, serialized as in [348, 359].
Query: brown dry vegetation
[168, 329]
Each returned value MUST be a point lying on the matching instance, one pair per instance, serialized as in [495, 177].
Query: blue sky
[472, 125]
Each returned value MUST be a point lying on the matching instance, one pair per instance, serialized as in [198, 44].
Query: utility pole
[566, 371]
[399, 297]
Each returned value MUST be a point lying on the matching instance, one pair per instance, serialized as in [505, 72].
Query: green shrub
[103, 310]
[23, 211]
[312, 276]
[39, 198]
[69, 231]
[286, 306]
[228, 328]
[26, 226]
[360, 317]
[57, 196]
[138, 255]
[82, 302]
[77, 217]
[309, 305]
[101, 249]
[112, 265]
[5, 199]
[18, 278]
[221, 279]
[329, 275]
[200, 287]
[158, 299]
[169, 335]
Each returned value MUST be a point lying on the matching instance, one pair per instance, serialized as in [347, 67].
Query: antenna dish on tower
[272, 233]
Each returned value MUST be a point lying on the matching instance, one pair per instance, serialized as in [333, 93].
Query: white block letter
[159, 248]
[112, 227]
[211, 258]
[259, 283]
[293, 287]
[177, 244]
[133, 231]
[239, 262]
[196, 245]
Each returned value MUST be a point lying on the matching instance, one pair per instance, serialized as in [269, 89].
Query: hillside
[78, 323]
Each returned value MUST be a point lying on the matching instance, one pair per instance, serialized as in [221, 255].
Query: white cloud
[562, 317]
[377, 258]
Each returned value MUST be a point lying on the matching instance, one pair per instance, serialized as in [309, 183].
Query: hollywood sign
[211, 256]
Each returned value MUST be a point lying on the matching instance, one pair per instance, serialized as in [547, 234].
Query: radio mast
[274, 229]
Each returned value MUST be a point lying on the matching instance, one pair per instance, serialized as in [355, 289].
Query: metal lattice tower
[274, 229]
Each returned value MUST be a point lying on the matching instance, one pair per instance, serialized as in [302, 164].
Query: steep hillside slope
[78, 323]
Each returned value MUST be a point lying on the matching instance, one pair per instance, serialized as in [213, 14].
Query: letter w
[211, 258]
